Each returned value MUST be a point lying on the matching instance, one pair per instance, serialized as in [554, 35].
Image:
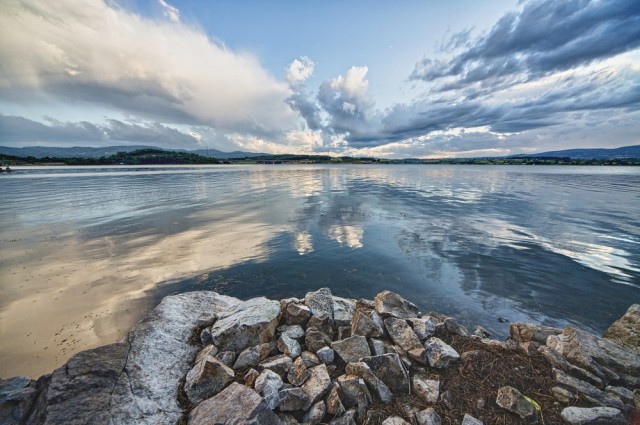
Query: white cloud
[84, 50]
[169, 11]
[353, 84]
[299, 70]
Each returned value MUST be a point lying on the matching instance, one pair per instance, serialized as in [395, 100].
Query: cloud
[84, 50]
[546, 36]
[300, 101]
[299, 70]
[27, 132]
[171, 12]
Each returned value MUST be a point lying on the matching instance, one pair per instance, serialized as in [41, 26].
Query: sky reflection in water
[86, 251]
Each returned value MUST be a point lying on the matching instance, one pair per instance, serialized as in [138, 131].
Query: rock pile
[331, 360]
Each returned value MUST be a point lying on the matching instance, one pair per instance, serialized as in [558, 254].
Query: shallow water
[87, 251]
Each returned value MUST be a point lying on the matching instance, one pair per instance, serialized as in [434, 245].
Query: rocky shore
[203, 358]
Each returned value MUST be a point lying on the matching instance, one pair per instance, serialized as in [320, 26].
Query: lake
[87, 251]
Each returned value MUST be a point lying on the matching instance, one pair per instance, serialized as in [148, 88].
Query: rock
[347, 419]
[250, 377]
[320, 300]
[251, 356]
[428, 417]
[367, 323]
[207, 378]
[389, 368]
[209, 350]
[268, 385]
[423, 327]
[252, 322]
[470, 420]
[236, 404]
[375, 384]
[289, 346]
[419, 355]
[401, 333]
[17, 395]
[563, 395]
[344, 332]
[315, 414]
[512, 400]
[333, 401]
[317, 385]
[626, 330]
[309, 359]
[587, 390]
[297, 314]
[377, 347]
[600, 356]
[343, 311]
[352, 349]
[205, 337]
[525, 332]
[395, 420]
[295, 332]
[354, 391]
[391, 304]
[287, 419]
[561, 363]
[440, 354]
[322, 321]
[298, 373]
[451, 326]
[280, 364]
[481, 332]
[427, 389]
[636, 398]
[624, 394]
[325, 355]
[447, 399]
[315, 340]
[593, 416]
[228, 358]
[292, 399]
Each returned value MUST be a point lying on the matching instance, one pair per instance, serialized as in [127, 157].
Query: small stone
[423, 327]
[317, 385]
[315, 340]
[512, 400]
[251, 356]
[440, 354]
[524, 332]
[364, 304]
[452, 327]
[315, 414]
[205, 337]
[377, 347]
[395, 420]
[354, 391]
[447, 399]
[292, 399]
[320, 300]
[593, 416]
[289, 346]
[428, 417]
[280, 364]
[298, 372]
[481, 332]
[209, 350]
[333, 401]
[529, 347]
[391, 304]
[287, 419]
[625, 395]
[626, 330]
[325, 355]
[402, 334]
[268, 385]
[250, 377]
[309, 359]
[563, 395]
[297, 314]
[389, 368]
[587, 390]
[352, 349]
[295, 331]
[343, 310]
[344, 332]
[427, 389]
[236, 404]
[207, 378]
[347, 419]
[322, 321]
[470, 420]
[367, 323]
[375, 384]
[419, 355]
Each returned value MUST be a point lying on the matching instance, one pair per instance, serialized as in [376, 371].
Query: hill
[616, 153]
[90, 152]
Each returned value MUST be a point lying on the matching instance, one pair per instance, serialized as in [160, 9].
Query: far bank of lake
[87, 251]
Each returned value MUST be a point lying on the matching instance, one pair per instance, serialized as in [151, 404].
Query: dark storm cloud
[18, 129]
[545, 37]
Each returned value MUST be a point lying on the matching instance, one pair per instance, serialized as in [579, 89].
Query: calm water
[86, 251]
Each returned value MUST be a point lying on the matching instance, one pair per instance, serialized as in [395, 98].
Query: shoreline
[254, 350]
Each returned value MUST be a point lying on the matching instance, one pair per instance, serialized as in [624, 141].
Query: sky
[419, 79]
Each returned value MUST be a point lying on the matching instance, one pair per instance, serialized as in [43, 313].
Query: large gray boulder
[626, 330]
[593, 416]
[236, 404]
[317, 385]
[16, 398]
[391, 304]
[352, 349]
[367, 323]
[207, 378]
[389, 368]
[343, 310]
[375, 384]
[402, 334]
[440, 354]
[252, 322]
[320, 300]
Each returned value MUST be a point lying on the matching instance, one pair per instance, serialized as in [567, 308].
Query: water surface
[87, 251]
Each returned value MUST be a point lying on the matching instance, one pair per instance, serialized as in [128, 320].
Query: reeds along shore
[203, 358]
